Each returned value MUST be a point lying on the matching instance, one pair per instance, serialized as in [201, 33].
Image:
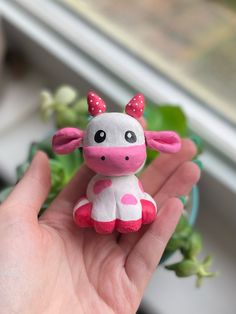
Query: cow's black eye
[100, 136]
[130, 137]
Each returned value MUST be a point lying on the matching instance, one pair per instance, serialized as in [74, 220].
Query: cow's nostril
[126, 158]
[103, 157]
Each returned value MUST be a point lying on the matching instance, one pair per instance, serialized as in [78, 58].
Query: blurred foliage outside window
[193, 42]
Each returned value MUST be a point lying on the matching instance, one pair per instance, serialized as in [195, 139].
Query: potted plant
[68, 109]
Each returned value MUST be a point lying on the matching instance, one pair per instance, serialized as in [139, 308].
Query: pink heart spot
[129, 199]
[100, 185]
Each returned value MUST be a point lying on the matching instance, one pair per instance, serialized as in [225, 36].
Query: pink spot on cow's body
[140, 186]
[100, 185]
[129, 199]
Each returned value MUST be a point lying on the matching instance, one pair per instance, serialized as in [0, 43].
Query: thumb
[30, 192]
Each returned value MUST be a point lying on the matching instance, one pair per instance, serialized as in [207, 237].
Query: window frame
[113, 70]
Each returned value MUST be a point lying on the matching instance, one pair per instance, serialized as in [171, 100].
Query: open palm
[51, 266]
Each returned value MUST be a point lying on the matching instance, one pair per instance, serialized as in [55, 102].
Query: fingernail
[197, 141]
[199, 163]
[183, 199]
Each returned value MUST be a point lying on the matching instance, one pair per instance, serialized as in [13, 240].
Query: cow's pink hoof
[82, 215]
[148, 211]
[128, 226]
[104, 227]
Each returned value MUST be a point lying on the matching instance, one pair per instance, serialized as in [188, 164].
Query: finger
[31, 191]
[180, 183]
[145, 256]
[75, 189]
[158, 172]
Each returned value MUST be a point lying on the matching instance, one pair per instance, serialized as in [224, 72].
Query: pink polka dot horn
[114, 147]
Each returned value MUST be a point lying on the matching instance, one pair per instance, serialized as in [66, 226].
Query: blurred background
[175, 51]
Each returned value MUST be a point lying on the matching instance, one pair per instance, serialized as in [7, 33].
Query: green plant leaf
[166, 117]
[198, 142]
[46, 107]
[151, 155]
[81, 106]
[44, 146]
[4, 193]
[185, 268]
[70, 163]
[179, 239]
[82, 121]
[175, 243]
[65, 95]
[183, 225]
[207, 261]
[58, 176]
[195, 245]
[66, 118]
[20, 170]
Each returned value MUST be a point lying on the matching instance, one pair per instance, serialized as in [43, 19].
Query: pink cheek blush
[115, 161]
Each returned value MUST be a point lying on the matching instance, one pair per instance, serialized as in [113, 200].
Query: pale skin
[51, 266]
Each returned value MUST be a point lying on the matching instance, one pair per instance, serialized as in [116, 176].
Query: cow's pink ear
[163, 141]
[67, 140]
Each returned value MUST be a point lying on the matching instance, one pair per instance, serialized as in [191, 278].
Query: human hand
[49, 265]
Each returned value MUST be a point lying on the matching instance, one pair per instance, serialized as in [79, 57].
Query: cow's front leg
[129, 217]
[100, 213]
[82, 213]
[100, 192]
[104, 212]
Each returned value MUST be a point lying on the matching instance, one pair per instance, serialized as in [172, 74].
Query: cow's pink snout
[115, 161]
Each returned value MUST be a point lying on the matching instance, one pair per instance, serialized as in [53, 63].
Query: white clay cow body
[114, 147]
[117, 203]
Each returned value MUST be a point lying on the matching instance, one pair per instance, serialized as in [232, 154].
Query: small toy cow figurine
[114, 147]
